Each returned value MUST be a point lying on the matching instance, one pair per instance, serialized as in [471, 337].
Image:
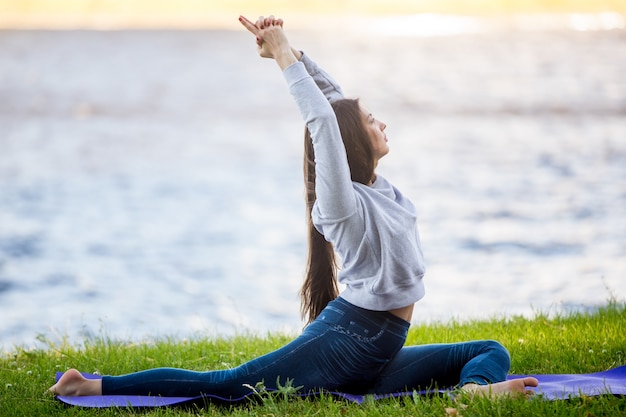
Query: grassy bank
[571, 343]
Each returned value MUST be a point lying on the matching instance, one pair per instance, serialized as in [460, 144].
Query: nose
[383, 126]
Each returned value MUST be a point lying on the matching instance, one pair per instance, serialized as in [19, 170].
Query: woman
[353, 342]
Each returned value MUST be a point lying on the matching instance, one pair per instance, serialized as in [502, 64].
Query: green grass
[569, 343]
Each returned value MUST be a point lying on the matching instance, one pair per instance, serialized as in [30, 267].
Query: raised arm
[272, 43]
[331, 89]
[324, 81]
[335, 195]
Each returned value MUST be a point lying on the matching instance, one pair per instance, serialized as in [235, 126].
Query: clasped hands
[270, 37]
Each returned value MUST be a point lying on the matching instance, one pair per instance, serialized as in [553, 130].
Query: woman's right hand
[259, 29]
[265, 40]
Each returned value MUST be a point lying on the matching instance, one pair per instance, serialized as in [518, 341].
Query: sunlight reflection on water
[433, 24]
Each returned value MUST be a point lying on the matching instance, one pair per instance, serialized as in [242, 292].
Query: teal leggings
[347, 349]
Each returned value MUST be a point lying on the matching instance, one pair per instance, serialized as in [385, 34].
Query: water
[150, 181]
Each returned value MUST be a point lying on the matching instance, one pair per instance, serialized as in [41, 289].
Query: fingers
[260, 30]
[265, 22]
[252, 28]
[261, 23]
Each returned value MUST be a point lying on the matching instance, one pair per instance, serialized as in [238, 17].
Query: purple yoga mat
[551, 387]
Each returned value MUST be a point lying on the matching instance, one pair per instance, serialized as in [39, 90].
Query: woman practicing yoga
[354, 340]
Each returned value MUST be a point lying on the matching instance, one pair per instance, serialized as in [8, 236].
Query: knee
[498, 353]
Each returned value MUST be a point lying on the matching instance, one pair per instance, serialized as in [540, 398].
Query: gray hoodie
[372, 228]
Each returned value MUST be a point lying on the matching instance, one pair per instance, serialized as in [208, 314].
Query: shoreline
[55, 340]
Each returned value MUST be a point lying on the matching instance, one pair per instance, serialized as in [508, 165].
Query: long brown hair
[320, 282]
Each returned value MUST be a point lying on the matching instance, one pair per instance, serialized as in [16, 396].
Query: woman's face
[376, 130]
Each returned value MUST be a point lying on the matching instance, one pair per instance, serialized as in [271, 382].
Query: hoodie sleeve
[331, 89]
[336, 199]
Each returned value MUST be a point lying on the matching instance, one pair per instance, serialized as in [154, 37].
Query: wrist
[285, 58]
[296, 53]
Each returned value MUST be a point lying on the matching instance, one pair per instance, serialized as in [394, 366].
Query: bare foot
[73, 383]
[512, 386]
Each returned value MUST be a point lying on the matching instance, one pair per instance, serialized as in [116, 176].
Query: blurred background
[150, 161]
